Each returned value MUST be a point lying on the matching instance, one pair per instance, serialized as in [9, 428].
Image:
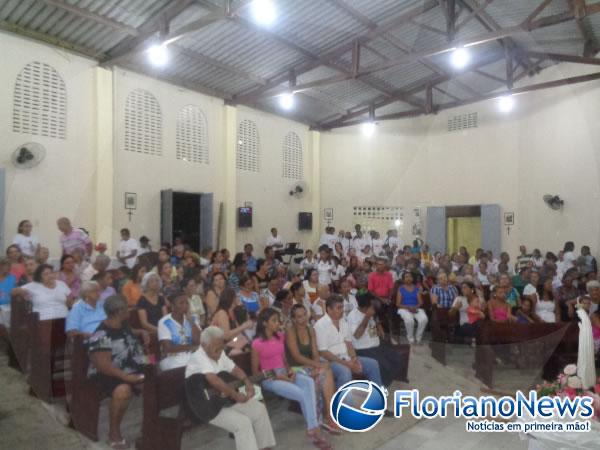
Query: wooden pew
[443, 327]
[84, 394]
[21, 310]
[47, 357]
[555, 340]
[165, 390]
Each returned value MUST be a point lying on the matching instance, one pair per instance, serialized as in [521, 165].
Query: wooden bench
[443, 327]
[20, 312]
[83, 393]
[162, 391]
[555, 346]
[47, 357]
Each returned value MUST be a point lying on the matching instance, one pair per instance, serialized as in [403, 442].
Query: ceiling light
[368, 129]
[263, 12]
[460, 57]
[158, 55]
[287, 101]
[397, 222]
[506, 103]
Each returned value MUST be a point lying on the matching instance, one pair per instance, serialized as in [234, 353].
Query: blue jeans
[370, 367]
[301, 390]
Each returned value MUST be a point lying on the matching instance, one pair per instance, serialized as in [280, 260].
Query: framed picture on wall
[130, 200]
[328, 214]
[509, 218]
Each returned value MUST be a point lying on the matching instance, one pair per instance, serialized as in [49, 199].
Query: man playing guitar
[247, 418]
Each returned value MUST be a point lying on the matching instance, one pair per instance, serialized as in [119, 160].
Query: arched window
[248, 149]
[192, 135]
[143, 123]
[40, 102]
[292, 164]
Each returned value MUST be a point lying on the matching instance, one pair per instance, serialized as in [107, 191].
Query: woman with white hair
[593, 289]
[88, 313]
[152, 306]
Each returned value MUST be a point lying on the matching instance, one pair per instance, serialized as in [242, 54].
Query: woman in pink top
[500, 310]
[268, 353]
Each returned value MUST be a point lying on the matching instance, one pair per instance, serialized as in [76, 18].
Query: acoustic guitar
[203, 402]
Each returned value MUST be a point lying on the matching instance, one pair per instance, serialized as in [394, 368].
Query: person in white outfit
[409, 301]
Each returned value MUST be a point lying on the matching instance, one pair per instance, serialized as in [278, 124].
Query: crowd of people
[337, 313]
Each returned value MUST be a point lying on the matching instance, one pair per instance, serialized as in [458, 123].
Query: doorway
[464, 231]
[463, 228]
[187, 216]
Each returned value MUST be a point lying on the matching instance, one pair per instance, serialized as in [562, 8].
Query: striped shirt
[445, 296]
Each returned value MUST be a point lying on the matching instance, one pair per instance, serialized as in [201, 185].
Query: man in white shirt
[334, 343]
[329, 238]
[128, 249]
[144, 246]
[346, 242]
[366, 334]
[393, 241]
[248, 418]
[376, 243]
[274, 240]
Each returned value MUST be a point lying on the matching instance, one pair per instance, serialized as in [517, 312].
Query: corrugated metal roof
[236, 56]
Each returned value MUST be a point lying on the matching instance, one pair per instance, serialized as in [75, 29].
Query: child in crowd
[309, 262]
[525, 312]
[474, 313]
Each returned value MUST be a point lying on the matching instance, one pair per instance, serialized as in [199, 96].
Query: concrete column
[104, 157]
[315, 143]
[228, 231]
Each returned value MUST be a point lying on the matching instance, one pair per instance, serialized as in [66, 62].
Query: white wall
[547, 145]
[64, 183]
[267, 190]
[147, 175]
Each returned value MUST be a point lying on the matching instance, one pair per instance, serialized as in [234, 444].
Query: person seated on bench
[409, 301]
[88, 313]
[469, 322]
[248, 418]
[366, 339]
[49, 297]
[525, 313]
[117, 361]
[105, 282]
[334, 342]
[152, 306]
[226, 320]
[268, 353]
[178, 337]
[8, 283]
[443, 293]
[301, 344]
[499, 309]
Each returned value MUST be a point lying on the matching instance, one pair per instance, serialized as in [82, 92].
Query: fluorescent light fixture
[506, 103]
[263, 12]
[368, 129]
[287, 101]
[460, 57]
[158, 55]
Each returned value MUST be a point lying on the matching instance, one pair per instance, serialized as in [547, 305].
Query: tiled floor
[26, 424]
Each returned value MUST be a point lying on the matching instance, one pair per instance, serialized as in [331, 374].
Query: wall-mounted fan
[28, 155]
[298, 189]
[553, 201]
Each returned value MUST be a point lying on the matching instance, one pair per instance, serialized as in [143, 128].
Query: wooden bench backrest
[493, 333]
